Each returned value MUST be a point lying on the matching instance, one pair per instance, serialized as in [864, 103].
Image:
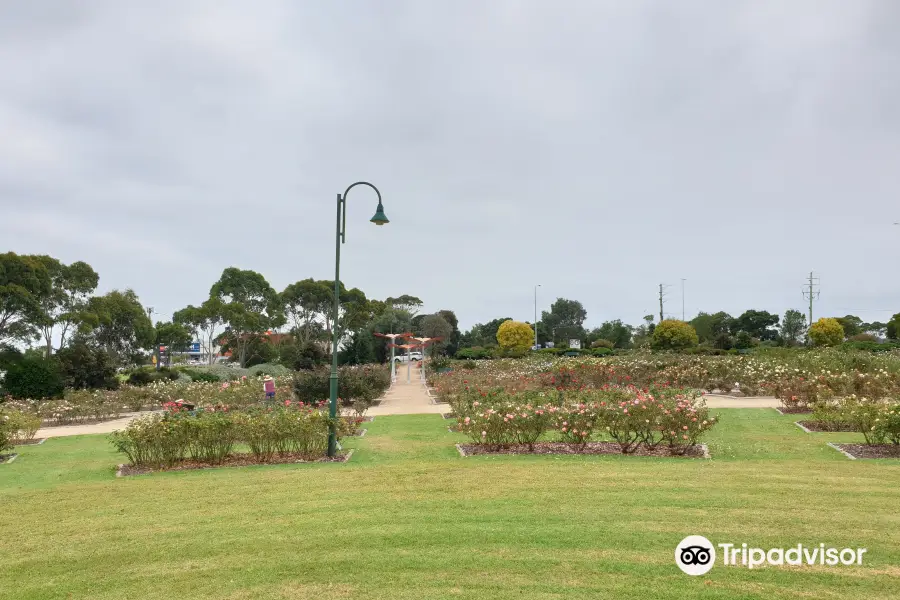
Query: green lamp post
[341, 237]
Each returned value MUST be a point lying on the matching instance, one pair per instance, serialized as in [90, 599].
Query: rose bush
[162, 440]
[627, 415]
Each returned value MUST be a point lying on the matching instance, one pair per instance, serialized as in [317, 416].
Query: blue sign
[195, 347]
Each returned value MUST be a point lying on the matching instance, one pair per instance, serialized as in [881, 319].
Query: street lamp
[535, 316]
[340, 238]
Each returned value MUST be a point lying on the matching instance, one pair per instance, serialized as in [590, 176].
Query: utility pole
[156, 343]
[811, 291]
[535, 316]
[661, 296]
[682, 297]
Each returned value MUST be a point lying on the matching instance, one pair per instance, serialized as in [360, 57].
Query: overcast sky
[596, 148]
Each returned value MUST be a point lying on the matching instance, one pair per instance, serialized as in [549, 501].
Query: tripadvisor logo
[696, 555]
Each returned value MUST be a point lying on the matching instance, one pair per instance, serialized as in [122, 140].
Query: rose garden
[488, 469]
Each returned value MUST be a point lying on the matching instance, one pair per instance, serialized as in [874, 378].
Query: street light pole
[340, 238]
[535, 316]
[682, 298]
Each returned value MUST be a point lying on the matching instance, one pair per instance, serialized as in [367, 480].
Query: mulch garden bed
[794, 410]
[448, 415]
[7, 458]
[237, 460]
[827, 426]
[869, 450]
[33, 442]
[592, 448]
[359, 433]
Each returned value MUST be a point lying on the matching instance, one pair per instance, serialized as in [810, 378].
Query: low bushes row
[356, 384]
[210, 436]
[17, 427]
[480, 353]
[77, 406]
[630, 417]
[878, 422]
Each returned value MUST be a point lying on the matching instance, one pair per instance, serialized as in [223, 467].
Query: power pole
[682, 297]
[661, 296]
[811, 291]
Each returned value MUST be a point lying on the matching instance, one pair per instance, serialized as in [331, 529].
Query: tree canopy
[24, 281]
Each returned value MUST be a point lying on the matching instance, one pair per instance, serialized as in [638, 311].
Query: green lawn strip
[408, 517]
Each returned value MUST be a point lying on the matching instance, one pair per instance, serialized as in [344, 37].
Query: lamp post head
[380, 218]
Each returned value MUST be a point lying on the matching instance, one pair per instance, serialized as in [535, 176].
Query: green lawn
[407, 517]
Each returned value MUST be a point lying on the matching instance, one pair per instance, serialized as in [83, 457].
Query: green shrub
[601, 351]
[302, 357]
[830, 417]
[272, 370]
[601, 343]
[6, 435]
[364, 383]
[200, 375]
[225, 372]
[164, 440]
[84, 367]
[888, 426]
[743, 340]
[438, 363]
[500, 424]
[515, 352]
[23, 426]
[34, 378]
[17, 427]
[867, 346]
[474, 353]
[211, 436]
[674, 335]
[140, 378]
[154, 441]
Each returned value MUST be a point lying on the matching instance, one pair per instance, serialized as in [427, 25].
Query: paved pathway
[103, 427]
[717, 401]
[407, 398]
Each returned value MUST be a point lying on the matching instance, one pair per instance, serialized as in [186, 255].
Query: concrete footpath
[717, 401]
[87, 428]
[407, 398]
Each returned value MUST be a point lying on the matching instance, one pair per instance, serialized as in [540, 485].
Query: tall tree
[793, 326]
[174, 336]
[876, 328]
[307, 304]
[613, 331]
[24, 280]
[758, 323]
[436, 326]
[852, 325]
[64, 304]
[204, 322]
[712, 327]
[249, 306]
[893, 327]
[565, 319]
[118, 323]
[410, 304]
[452, 344]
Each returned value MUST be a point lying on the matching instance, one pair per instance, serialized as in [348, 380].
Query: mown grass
[409, 518]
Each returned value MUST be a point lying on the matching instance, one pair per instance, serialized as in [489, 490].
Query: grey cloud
[597, 148]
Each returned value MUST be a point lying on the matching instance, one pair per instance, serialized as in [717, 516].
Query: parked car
[413, 356]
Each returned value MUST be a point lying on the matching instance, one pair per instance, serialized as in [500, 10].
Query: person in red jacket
[269, 387]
